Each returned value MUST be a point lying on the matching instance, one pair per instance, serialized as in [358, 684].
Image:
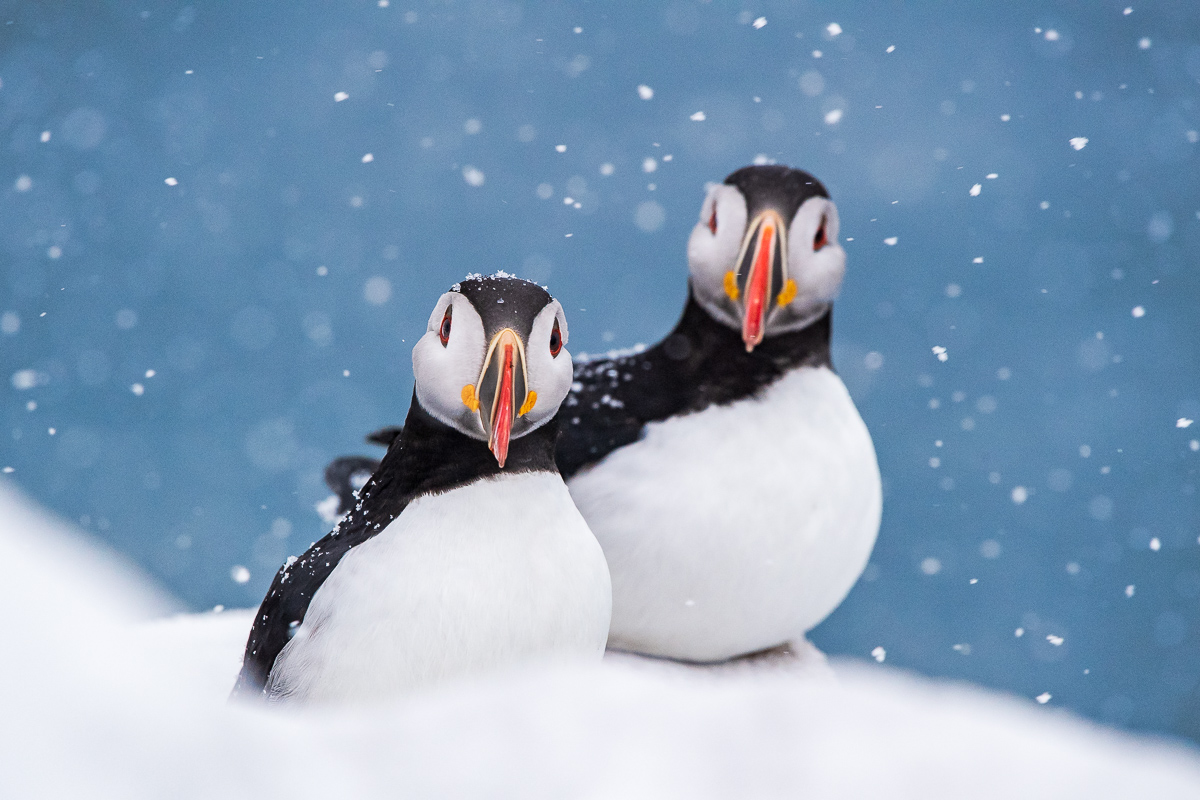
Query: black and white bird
[726, 471]
[463, 552]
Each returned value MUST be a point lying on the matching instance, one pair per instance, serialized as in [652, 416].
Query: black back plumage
[701, 363]
[425, 457]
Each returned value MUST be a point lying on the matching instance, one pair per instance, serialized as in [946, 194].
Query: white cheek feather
[739, 527]
[711, 256]
[549, 376]
[496, 573]
[818, 273]
[441, 371]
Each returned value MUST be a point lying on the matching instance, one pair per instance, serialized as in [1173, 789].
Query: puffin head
[764, 258]
[493, 363]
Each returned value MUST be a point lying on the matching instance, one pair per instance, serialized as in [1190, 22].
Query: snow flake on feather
[611, 355]
[286, 572]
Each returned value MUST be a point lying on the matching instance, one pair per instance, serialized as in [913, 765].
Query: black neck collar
[701, 363]
[430, 456]
[716, 355]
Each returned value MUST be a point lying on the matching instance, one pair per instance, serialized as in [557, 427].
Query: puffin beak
[761, 280]
[503, 393]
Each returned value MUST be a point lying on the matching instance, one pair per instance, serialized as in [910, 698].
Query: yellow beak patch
[731, 287]
[788, 294]
[527, 406]
[468, 397]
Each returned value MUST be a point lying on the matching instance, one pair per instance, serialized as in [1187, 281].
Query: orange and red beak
[761, 281]
[502, 393]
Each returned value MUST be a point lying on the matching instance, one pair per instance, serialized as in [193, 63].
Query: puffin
[726, 471]
[463, 552]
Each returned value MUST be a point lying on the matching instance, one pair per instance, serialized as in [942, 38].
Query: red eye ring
[555, 340]
[444, 330]
[820, 240]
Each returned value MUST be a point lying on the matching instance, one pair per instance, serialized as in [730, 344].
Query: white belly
[739, 527]
[498, 572]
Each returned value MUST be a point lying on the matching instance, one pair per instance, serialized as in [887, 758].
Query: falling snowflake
[879, 654]
[1044, 698]
[1079, 142]
[698, 117]
[976, 189]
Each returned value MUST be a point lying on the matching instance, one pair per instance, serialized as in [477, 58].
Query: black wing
[428, 457]
[385, 436]
[283, 609]
[701, 363]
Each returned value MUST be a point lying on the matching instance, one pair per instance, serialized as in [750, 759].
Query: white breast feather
[498, 572]
[739, 527]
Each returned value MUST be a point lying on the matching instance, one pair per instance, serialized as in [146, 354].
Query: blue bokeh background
[274, 285]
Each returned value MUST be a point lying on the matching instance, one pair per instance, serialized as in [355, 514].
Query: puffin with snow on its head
[463, 552]
[726, 471]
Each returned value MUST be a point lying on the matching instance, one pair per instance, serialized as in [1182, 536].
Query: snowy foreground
[99, 699]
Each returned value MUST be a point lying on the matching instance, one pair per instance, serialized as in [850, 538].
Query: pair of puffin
[725, 473]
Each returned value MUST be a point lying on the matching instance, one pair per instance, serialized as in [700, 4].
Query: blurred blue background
[260, 204]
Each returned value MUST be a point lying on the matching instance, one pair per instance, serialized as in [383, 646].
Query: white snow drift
[98, 703]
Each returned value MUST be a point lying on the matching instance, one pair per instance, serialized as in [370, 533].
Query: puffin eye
[555, 340]
[712, 221]
[820, 239]
[444, 331]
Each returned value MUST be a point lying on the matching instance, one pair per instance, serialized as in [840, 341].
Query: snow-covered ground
[99, 699]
